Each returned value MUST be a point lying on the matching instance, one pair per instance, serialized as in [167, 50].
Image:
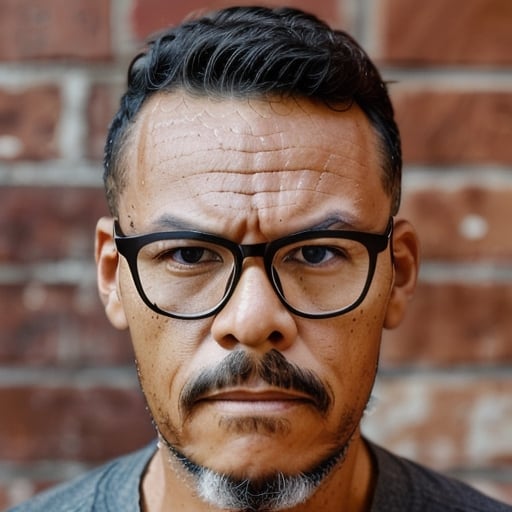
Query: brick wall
[68, 394]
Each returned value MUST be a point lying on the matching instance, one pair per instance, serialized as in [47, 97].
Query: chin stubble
[275, 492]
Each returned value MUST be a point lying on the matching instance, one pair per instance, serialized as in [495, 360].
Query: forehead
[245, 161]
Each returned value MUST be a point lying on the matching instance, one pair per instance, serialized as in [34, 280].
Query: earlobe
[406, 264]
[107, 259]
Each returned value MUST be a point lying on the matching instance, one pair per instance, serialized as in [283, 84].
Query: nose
[254, 315]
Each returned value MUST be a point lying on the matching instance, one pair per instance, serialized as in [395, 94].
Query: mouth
[244, 401]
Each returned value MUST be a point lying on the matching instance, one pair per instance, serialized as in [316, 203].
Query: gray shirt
[402, 486]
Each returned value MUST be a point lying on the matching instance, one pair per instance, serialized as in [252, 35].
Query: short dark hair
[252, 52]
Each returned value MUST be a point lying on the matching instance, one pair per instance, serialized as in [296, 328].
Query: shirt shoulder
[109, 488]
[405, 485]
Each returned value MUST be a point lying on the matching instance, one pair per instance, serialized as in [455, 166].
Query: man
[254, 254]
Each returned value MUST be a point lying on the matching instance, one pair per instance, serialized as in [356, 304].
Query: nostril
[228, 341]
[275, 337]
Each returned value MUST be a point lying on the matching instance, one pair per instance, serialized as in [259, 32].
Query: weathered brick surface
[58, 325]
[66, 230]
[445, 388]
[152, 15]
[455, 127]
[28, 122]
[466, 224]
[440, 32]
[453, 324]
[54, 29]
[90, 424]
[455, 423]
[446, 421]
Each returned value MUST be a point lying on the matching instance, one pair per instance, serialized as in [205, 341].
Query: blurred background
[69, 397]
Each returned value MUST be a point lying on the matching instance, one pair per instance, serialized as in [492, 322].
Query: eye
[190, 255]
[316, 254]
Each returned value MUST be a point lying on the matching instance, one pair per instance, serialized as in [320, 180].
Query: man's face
[253, 171]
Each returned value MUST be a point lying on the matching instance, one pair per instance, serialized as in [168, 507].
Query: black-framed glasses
[192, 275]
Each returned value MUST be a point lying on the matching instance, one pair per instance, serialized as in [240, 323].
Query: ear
[107, 259]
[405, 263]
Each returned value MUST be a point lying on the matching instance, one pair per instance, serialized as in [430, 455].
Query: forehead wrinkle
[230, 159]
[260, 190]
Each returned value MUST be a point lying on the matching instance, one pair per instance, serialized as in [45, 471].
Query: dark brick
[51, 325]
[50, 29]
[152, 15]
[441, 32]
[455, 127]
[453, 324]
[91, 424]
[46, 224]
[469, 224]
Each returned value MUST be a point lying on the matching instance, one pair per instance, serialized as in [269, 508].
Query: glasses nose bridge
[252, 250]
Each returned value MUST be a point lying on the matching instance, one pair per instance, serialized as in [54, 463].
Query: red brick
[454, 127]
[54, 29]
[58, 325]
[39, 224]
[102, 104]
[150, 16]
[28, 121]
[470, 223]
[88, 424]
[445, 421]
[441, 32]
[453, 324]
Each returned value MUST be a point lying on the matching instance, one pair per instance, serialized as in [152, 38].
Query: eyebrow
[336, 220]
[169, 222]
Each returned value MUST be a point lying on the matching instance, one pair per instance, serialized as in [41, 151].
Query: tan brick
[454, 127]
[451, 324]
[469, 223]
[17, 490]
[41, 224]
[28, 123]
[58, 325]
[445, 421]
[54, 29]
[441, 32]
[149, 16]
[91, 424]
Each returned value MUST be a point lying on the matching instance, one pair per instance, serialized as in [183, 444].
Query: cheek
[167, 351]
[345, 352]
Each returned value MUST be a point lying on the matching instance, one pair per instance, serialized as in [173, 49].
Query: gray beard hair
[278, 492]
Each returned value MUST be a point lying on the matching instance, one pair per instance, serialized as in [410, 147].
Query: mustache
[273, 368]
